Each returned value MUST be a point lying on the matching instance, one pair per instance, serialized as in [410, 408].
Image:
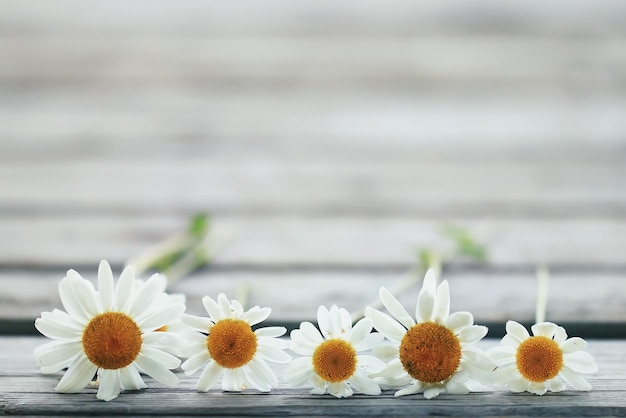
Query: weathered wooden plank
[24, 391]
[401, 64]
[328, 124]
[66, 241]
[197, 184]
[306, 18]
[294, 295]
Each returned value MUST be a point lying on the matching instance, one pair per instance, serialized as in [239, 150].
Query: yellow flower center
[334, 360]
[112, 340]
[539, 359]
[231, 343]
[430, 352]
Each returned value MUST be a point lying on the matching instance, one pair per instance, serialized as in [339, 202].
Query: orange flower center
[430, 352]
[334, 360]
[231, 343]
[539, 359]
[112, 340]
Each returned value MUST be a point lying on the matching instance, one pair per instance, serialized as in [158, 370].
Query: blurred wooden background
[329, 141]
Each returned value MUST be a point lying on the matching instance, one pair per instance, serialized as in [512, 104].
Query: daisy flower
[331, 362]
[435, 352]
[536, 363]
[225, 345]
[109, 332]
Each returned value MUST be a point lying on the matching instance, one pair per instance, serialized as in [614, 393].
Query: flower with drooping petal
[435, 352]
[110, 332]
[332, 362]
[225, 345]
[541, 362]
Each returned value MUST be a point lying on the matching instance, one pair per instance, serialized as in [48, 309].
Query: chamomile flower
[111, 332]
[540, 363]
[332, 363]
[435, 352]
[225, 345]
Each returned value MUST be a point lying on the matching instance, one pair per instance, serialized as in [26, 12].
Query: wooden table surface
[330, 143]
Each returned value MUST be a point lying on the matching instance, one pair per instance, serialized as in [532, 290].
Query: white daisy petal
[459, 321]
[510, 341]
[319, 385]
[198, 323]
[538, 388]
[395, 308]
[361, 329]
[156, 370]
[195, 362]
[386, 325]
[210, 375]
[213, 309]
[273, 355]
[77, 376]
[339, 389]
[301, 344]
[432, 391]
[236, 309]
[106, 287]
[323, 321]
[158, 318]
[260, 375]
[581, 362]
[370, 364]
[270, 332]
[109, 387]
[442, 302]
[256, 315]
[518, 384]
[506, 373]
[57, 331]
[71, 293]
[369, 342]
[123, 288]
[502, 354]
[547, 329]
[364, 384]
[417, 387]
[425, 306]
[560, 335]
[573, 345]
[299, 371]
[456, 388]
[311, 333]
[473, 334]
[344, 327]
[555, 385]
[517, 331]
[56, 355]
[130, 379]
[161, 357]
[224, 304]
[145, 296]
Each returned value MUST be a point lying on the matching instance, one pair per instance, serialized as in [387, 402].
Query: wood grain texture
[24, 391]
[294, 295]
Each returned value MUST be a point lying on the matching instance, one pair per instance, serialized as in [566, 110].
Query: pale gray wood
[294, 295]
[310, 123]
[387, 18]
[23, 390]
[64, 241]
[401, 64]
[441, 189]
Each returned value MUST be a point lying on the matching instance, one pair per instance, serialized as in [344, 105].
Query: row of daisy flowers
[109, 337]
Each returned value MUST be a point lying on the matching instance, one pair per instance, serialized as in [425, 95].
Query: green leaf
[199, 225]
[465, 244]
